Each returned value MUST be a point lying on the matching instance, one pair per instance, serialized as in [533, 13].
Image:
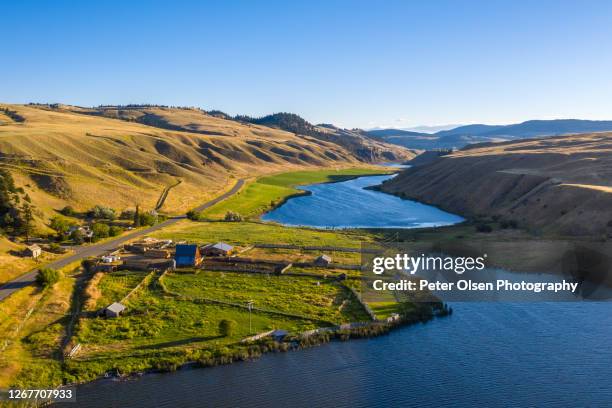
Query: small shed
[114, 310]
[187, 255]
[218, 249]
[323, 260]
[279, 335]
[33, 251]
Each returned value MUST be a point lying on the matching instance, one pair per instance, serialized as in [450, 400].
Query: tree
[114, 231]
[137, 217]
[47, 277]
[227, 327]
[148, 219]
[60, 225]
[102, 213]
[100, 230]
[232, 216]
[77, 236]
[26, 220]
[193, 215]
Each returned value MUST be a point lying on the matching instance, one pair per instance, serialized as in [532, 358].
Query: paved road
[98, 249]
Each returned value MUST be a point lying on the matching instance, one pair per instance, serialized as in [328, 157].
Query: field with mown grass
[267, 192]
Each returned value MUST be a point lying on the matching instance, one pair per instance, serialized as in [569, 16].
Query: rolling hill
[470, 134]
[559, 185]
[121, 156]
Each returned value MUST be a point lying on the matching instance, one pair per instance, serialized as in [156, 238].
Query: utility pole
[250, 306]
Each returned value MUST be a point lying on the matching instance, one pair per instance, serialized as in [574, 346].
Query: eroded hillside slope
[63, 157]
[559, 185]
[215, 123]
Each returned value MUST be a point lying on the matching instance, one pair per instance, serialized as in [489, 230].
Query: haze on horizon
[351, 63]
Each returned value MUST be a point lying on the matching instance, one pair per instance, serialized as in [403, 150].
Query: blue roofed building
[187, 255]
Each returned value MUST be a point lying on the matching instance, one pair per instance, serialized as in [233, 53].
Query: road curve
[98, 249]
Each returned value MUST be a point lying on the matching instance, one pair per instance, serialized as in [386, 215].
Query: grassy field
[114, 286]
[310, 297]
[32, 324]
[249, 233]
[269, 191]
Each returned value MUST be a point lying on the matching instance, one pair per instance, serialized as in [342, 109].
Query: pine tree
[137, 217]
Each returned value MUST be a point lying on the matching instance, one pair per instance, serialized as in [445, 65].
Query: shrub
[227, 327]
[47, 277]
[114, 231]
[148, 218]
[194, 215]
[232, 216]
[68, 211]
[100, 230]
[99, 212]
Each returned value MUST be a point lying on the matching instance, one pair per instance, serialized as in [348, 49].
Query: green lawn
[304, 296]
[267, 192]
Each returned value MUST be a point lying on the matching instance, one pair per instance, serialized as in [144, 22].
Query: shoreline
[259, 348]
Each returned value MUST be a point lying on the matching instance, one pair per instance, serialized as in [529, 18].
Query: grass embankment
[268, 192]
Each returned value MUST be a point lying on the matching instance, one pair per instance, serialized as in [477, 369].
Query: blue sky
[351, 63]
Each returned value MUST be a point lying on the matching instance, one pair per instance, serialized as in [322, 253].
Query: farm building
[187, 255]
[323, 260]
[114, 310]
[218, 249]
[33, 251]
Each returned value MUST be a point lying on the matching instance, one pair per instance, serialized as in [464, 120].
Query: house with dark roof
[218, 249]
[187, 255]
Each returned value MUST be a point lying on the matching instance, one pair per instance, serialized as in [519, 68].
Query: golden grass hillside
[67, 155]
[561, 185]
[215, 123]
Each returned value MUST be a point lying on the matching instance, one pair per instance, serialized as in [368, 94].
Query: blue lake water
[348, 205]
[544, 354]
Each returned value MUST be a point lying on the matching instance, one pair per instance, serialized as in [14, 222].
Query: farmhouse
[187, 255]
[114, 310]
[218, 249]
[33, 251]
[323, 260]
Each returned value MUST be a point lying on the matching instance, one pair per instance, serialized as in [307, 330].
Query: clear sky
[351, 63]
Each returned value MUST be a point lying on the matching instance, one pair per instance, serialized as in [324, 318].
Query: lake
[544, 354]
[348, 205]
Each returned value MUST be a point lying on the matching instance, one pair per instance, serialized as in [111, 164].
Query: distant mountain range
[469, 134]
